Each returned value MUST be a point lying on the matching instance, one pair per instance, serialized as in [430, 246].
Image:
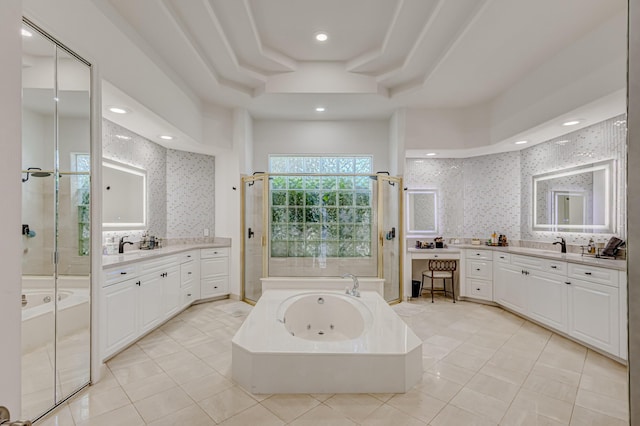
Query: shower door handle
[250, 233]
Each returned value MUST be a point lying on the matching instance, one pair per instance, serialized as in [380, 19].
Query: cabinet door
[480, 269]
[594, 314]
[214, 266]
[547, 299]
[151, 301]
[215, 286]
[509, 287]
[172, 293]
[120, 309]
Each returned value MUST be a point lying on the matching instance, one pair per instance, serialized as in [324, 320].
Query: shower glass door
[254, 238]
[56, 230]
[389, 236]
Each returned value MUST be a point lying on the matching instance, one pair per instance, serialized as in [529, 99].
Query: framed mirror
[124, 196]
[577, 199]
[422, 210]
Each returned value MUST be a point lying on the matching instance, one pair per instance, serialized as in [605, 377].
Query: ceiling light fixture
[123, 137]
[520, 142]
[320, 109]
[25, 33]
[166, 137]
[431, 154]
[118, 110]
[571, 122]
[322, 36]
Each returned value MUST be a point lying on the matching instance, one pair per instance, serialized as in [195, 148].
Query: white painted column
[11, 245]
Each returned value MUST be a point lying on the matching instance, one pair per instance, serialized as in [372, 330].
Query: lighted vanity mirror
[578, 199]
[422, 212]
[124, 196]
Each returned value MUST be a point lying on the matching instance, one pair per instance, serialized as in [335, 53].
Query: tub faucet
[356, 285]
[122, 243]
[563, 245]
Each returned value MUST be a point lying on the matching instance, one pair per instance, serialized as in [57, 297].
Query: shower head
[38, 173]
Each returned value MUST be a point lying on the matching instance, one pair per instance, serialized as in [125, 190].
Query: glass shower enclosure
[56, 205]
[321, 225]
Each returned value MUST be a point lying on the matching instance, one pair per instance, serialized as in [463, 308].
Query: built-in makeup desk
[417, 261]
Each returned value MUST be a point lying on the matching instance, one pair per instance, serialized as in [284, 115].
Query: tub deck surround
[338, 284]
[267, 359]
[137, 255]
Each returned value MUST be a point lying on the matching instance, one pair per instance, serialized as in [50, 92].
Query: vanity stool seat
[440, 269]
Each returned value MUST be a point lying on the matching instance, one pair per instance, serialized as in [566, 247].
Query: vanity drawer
[594, 274]
[501, 257]
[187, 273]
[188, 256]
[527, 262]
[188, 295]
[555, 266]
[119, 274]
[480, 289]
[163, 262]
[481, 269]
[480, 254]
[214, 252]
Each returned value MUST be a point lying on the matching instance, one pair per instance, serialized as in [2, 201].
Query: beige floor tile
[387, 415]
[480, 404]
[209, 347]
[567, 361]
[227, 404]
[569, 377]
[192, 415]
[438, 387]
[605, 385]
[126, 415]
[322, 415]
[148, 386]
[165, 347]
[454, 416]
[585, 417]
[132, 355]
[207, 386]
[321, 396]
[509, 361]
[417, 404]
[191, 371]
[443, 342]
[175, 360]
[384, 397]
[599, 403]
[91, 403]
[551, 388]
[61, 416]
[465, 360]
[354, 406]
[539, 404]
[510, 376]
[256, 415]
[519, 416]
[451, 372]
[135, 372]
[600, 365]
[290, 407]
[493, 387]
[163, 404]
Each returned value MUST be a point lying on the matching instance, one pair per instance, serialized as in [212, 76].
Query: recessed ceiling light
[123, 137]
[25, 33]
[320, 109]
[166, 137]
[118, 110]
[520, 142]
[431, 154]
[322, 36]
[571, 123]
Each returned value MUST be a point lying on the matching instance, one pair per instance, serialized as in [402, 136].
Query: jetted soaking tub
[324, 341]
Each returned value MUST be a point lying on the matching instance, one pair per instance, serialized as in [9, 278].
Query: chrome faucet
[563, 245]
[356, 285]
[122, 243]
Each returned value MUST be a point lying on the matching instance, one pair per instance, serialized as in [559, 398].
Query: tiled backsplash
[180, 185]
[480, 195]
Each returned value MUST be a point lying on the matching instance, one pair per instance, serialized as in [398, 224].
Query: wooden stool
[441, 269]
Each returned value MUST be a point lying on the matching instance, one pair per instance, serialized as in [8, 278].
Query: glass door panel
[38, 229]
[254, 238]
[389, 236]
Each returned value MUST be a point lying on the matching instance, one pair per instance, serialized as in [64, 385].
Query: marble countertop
[620, 265]
[132, 256]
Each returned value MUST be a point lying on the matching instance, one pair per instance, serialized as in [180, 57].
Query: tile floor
[482, 366]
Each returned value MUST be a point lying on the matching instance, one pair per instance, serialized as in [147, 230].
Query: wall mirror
[422, 212]
[577, 199]
[124, 196]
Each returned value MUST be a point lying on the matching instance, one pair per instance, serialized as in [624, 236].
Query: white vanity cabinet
[479, 274]
[189, 277]
[214, 272]
[120, 315]
[509, 287]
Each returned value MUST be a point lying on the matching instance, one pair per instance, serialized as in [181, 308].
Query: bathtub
[324, 341]
[37, 315]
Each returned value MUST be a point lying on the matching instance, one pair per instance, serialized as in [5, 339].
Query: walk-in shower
[321, 225]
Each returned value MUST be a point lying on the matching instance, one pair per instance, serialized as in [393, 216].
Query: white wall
[10, 249]
[321, 137]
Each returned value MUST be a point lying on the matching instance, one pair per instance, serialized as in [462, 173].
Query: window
[81, 186]
[325, 211]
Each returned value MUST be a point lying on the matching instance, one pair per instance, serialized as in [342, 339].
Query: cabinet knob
[138, 283]
[477, 254]
[587, 273]
[188, 273]
[435, 255]
[123, 273]
[567, 282]
[215, 286]
[501, 257]
[477, 269]
[554, 267]
[188, 294]
[478, 289]
[188, 255]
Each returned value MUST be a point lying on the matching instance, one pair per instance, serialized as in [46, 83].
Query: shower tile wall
[180, 185]
[480, 195]
[190, 211]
